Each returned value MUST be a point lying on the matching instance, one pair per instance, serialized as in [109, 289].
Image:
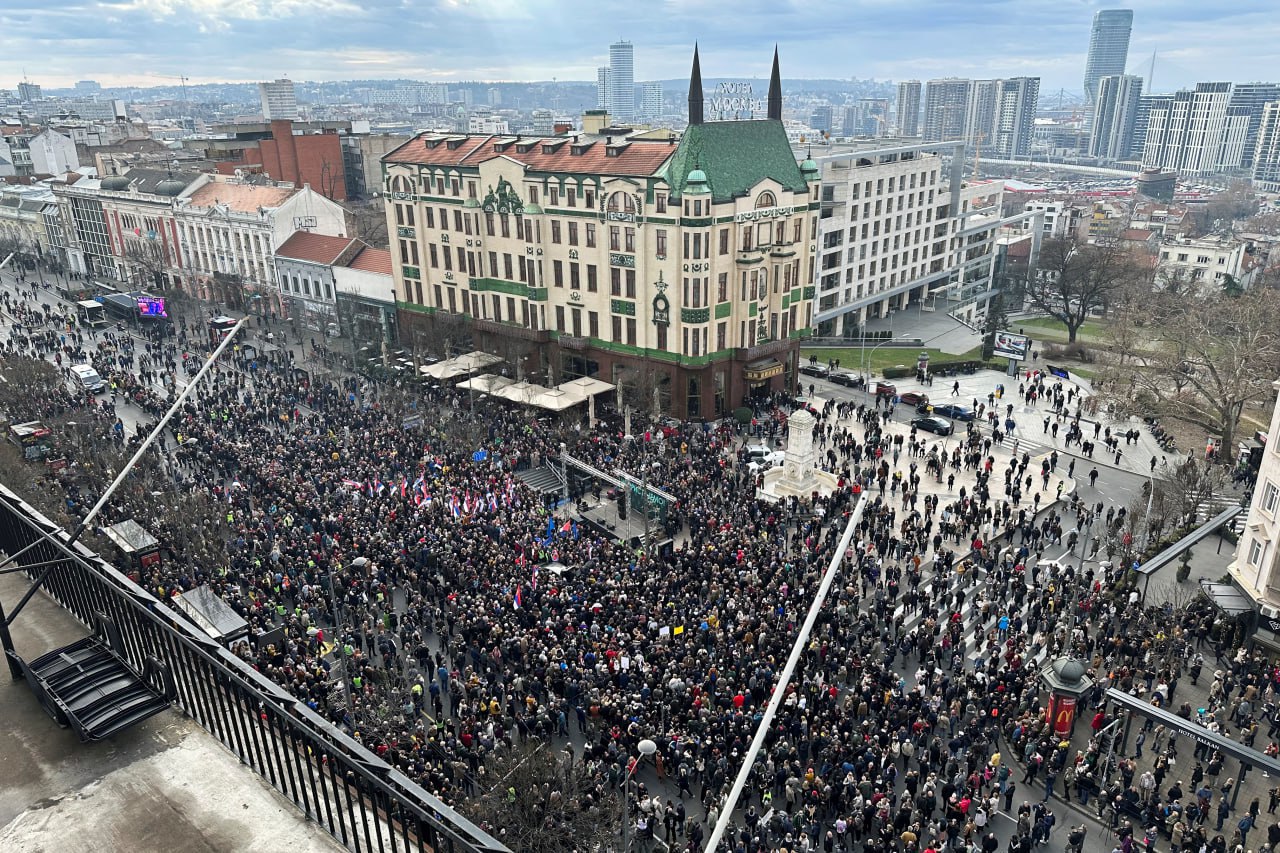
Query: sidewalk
[1135, 458]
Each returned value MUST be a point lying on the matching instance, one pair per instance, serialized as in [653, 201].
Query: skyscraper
[279, 102]
[981, 112]
[866, 117]
[1253, 97]
[651, 99]
[909, 108]
[1108, 48]
[622, 80]
[1115, 116]
[945, 105]
[1015, 116]
[1266, 153]
[604, 87]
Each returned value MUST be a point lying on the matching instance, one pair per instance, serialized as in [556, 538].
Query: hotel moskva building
[680, 268]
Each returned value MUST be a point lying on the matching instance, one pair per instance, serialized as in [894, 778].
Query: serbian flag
[351, 484]
[404, 486]
[493, 502]
[567, 526]
[517, 598]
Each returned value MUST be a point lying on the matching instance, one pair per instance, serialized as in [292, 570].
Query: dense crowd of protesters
[405, 583]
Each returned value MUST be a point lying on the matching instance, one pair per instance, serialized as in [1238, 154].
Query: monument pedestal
[799, 475]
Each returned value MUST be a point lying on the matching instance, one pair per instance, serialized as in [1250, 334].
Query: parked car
[947, 410]
[756, 452]
[820, 371]
[764, 463]
[932, 424]
[848, 380]
[914, 398]
[885, 388]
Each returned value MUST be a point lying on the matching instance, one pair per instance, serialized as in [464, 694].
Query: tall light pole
[646, 748]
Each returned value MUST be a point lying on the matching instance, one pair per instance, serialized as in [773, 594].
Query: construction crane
[180, 77]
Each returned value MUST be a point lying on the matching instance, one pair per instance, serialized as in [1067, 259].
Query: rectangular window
[631, 284]
[555, 196]
[506, 266]
[724, 241]
[560, 318]
[572, 195]
[573, 233]
[431, 216]
[555, 231]
[615, 281]
[617, 329]
[575, 281]
[660, 238]
[631, 240]
[557, 273]
[615, 238]
[592, 284]
[591, 234]
[577, 322]
[457, 221]
[631, 331]
[506, 225]
[593, 324]
[661, 202]
[1255, 552]
[1270, 496]
[722, 336]
[722, 288]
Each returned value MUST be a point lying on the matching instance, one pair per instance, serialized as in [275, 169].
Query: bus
[219, 328]
[91, 313]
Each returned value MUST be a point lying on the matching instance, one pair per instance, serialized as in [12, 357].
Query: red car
[914, 398]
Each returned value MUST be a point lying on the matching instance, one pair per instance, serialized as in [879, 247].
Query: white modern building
[899, 227]
[1059, 218]
[1196, 132]
[1256, 568]
[650, 100]
[279, 100]
[1266, 152]
[622, 80]
[1114, 117]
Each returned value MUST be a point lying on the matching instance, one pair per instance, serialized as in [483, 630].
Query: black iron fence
[363, 802]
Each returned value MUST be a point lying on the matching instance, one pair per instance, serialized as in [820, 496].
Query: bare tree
[147, 257]
[1202, 361]
[1074, 279]
[542, 801]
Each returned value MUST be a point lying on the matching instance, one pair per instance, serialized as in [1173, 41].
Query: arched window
[621, 202]
[766, 199]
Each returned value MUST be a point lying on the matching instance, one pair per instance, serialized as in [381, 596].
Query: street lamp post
[645, 747]
[867, 356]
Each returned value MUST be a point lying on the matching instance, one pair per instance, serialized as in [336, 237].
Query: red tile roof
[372, 260]
[1141, 235]
[316, 248]
[637, 158]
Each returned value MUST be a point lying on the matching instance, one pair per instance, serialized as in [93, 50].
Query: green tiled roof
[736, 155]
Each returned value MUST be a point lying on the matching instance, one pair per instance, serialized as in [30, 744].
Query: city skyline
[262, 39]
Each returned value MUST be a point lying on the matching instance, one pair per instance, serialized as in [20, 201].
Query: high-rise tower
[1108, 48]
[622, 80]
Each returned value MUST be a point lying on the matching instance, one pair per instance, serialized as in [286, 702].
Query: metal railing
[359, 799]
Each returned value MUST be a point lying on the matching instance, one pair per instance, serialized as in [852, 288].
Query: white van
[86, 379]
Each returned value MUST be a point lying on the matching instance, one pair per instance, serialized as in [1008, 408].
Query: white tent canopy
[587, 386]
[486, 383]
[460, 364]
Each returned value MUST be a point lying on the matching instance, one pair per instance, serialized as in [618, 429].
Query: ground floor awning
[1227, 598]
[762, 369]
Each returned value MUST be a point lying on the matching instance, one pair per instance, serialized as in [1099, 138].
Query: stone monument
[799, 474]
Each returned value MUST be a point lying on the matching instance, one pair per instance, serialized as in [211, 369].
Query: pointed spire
[775, 89]
[695, 89]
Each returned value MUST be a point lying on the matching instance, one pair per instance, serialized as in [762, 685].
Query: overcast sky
[120, 42]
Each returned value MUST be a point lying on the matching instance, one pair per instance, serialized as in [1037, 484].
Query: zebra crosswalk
[1216, 504]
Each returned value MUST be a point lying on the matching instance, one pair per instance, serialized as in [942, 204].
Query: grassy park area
[1042, 329]
[885, 356]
